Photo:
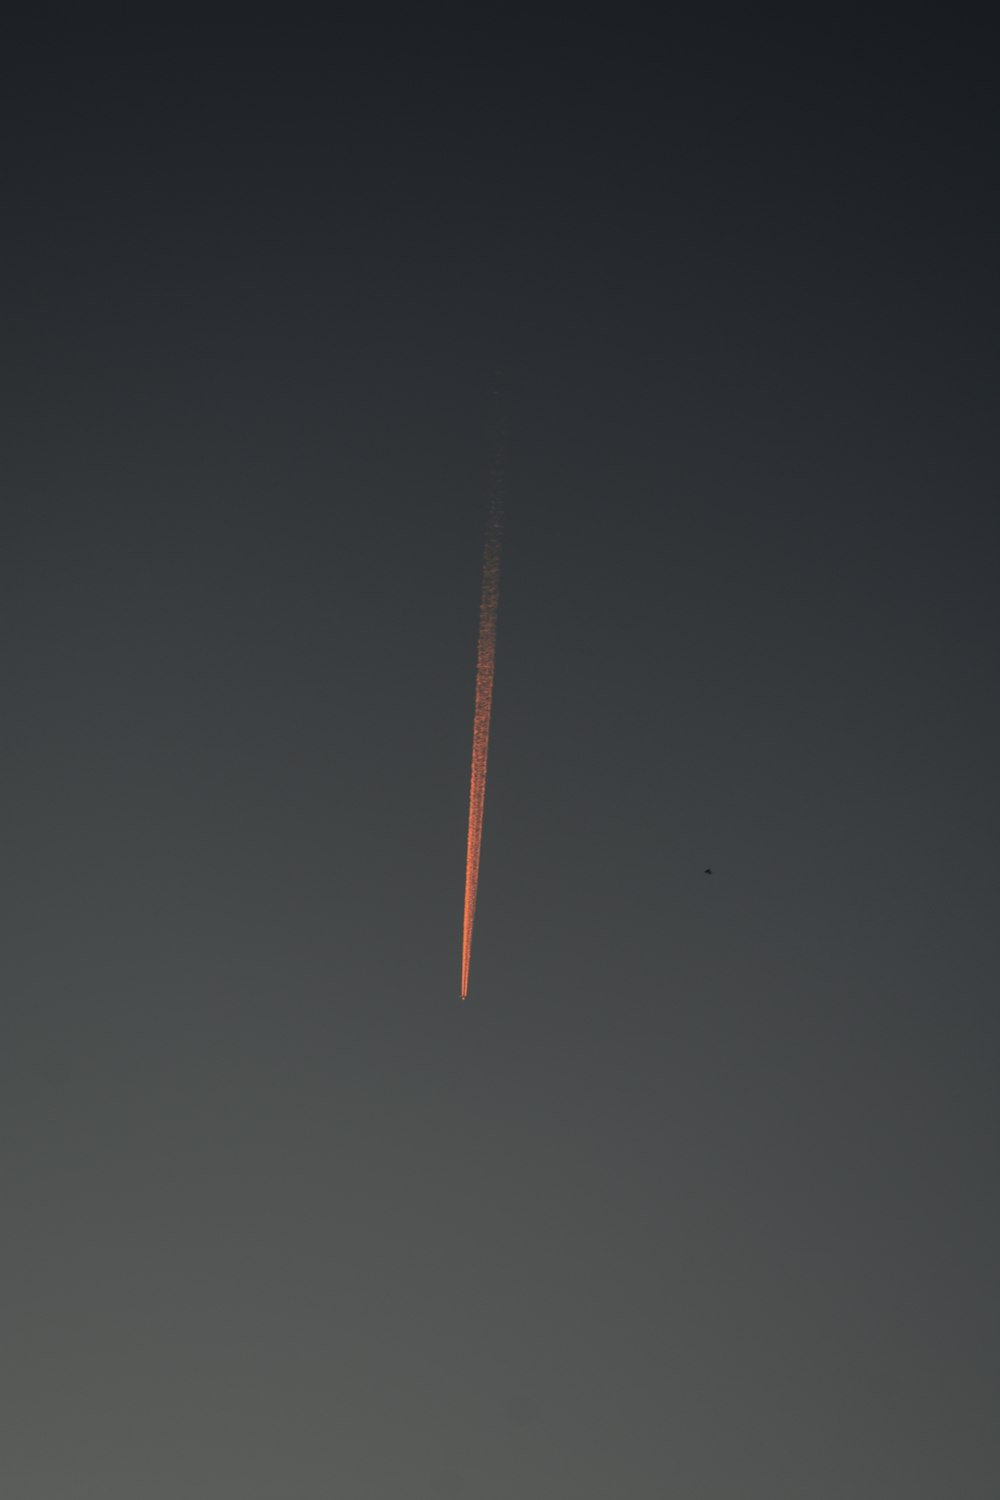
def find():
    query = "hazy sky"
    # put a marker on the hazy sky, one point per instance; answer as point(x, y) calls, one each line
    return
point(696, 1196)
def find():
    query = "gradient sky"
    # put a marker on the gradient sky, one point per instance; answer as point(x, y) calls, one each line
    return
point(696, 1197)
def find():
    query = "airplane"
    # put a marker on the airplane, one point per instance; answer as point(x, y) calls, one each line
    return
point(708, 872)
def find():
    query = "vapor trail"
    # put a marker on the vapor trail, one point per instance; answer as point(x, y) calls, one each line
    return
point(485, 658)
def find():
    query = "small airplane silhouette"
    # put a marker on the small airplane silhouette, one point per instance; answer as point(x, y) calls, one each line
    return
point(708, 872)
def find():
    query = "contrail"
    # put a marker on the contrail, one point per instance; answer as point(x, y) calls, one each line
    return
point(485, 659)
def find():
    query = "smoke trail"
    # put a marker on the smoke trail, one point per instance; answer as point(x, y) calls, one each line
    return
point(485, 658)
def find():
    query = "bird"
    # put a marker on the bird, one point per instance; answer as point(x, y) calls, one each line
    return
point(708, 872)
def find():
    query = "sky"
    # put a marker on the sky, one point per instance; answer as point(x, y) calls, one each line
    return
point(696, 1195)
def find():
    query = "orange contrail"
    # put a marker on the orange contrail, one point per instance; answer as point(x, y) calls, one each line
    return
point(485, 658)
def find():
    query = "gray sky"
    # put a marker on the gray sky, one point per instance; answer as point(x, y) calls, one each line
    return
point(696, 1196)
